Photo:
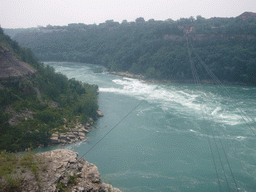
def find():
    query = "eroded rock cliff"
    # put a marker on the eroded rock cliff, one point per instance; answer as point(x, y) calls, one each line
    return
point(12, 68)
point(58, 170)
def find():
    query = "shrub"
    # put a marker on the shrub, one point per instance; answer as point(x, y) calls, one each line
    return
point(46, 116)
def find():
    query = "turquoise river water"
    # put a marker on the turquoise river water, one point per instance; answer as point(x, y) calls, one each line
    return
point(165, 143)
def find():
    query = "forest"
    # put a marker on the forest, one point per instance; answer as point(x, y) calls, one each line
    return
point(62, 102)
point(155, 49)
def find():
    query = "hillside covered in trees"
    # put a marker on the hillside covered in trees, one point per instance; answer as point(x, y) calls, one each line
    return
point(156, 49)
point(35, 101)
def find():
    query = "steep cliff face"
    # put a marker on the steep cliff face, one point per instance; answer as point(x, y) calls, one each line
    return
point(36, 102)
point(49, 167)
point(12, 68)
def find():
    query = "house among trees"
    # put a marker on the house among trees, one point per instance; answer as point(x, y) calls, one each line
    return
point(247, 14)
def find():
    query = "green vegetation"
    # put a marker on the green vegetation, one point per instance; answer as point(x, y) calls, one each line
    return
point(12, 166)
point(156, 49)
point(72, 179)
point(38, 105)
point(60, 187)
point(71, 182)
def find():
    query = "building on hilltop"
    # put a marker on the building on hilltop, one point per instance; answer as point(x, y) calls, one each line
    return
point(247, 14)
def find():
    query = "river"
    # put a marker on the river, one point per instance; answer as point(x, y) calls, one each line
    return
point(169, 137)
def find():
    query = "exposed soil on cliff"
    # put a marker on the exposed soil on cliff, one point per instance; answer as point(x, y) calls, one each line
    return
point(11, 67)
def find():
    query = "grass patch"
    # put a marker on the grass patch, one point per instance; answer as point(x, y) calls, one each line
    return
point(72, 179)
point(11, 184)
point(60, 187)
point(7, 163)
point(12, 165)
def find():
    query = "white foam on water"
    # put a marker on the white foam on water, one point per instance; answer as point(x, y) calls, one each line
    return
point(216, 110)
point(129, 87)
point(142, 111)
point(184, 101)
point(222, 136)
point(241, 137)
point(148, 175)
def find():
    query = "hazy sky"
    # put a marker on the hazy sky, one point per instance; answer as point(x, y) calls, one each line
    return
point(31, 13)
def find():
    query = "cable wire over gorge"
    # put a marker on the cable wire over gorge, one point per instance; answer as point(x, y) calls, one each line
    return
point(221, 163)
point(242, 113)
point(115, 126)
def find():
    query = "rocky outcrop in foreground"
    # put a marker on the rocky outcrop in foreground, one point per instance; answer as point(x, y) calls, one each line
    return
point(80, 176)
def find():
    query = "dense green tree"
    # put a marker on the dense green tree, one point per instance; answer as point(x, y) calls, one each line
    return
point(73, 98)
point(226, 45)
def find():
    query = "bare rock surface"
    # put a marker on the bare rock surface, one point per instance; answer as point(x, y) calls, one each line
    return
point(99, 113)
point(80, 175)
point(11, 67)
point(24, 115)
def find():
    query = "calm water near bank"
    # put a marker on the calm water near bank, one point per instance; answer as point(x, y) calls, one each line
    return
point(163, 145)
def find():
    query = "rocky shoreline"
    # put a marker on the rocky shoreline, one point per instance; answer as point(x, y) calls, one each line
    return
point(72, 135)
point(61, 169)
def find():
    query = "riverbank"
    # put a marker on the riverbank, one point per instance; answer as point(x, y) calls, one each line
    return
point(73, 134)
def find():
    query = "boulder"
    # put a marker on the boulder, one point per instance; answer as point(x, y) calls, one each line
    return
point(75, 133)
point(82, 138)
point(65, 120)
point(63, 141)
point(54, 140)
point(81, 134)
point(82, 129)
point(79, 126)
point(55, 135)
point(63, 136)
point(99, 113)
point(91, 121)
point(68, 139)
point(71, 136)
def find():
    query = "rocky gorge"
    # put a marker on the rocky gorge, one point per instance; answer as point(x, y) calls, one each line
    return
point(53, 171)
point(80, 175)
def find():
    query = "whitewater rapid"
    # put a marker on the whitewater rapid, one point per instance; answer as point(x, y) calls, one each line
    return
point(166, 137)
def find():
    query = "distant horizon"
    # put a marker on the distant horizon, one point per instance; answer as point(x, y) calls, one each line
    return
point(122, 20)
point(33, 13)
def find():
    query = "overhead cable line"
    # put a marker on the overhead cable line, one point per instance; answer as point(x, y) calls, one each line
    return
point(218, 82)
point(224, 154)
point(224, 134)
point(228, 161)
point(103, 137)
point(197, 81)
